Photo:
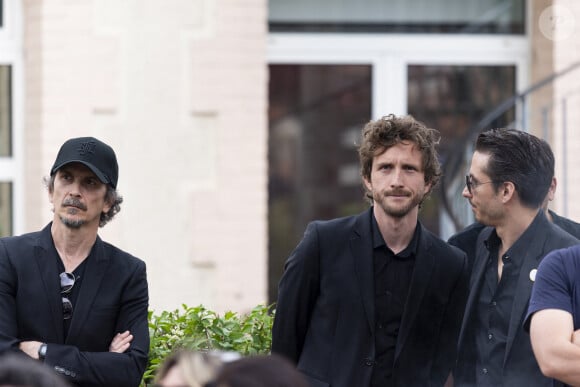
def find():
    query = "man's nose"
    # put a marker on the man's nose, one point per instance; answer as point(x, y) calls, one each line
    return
point(397, 177)
point(74, 188)
point(466, 193)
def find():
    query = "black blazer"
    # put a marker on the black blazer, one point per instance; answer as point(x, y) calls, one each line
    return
point(566, 224)
point(466, 239)
point(113, 298)
point(520, 367)
point(325, 317)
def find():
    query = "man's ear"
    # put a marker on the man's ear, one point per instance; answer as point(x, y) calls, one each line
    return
point(428, 187)
point(107, 205)
point(367, 184)
point(507, 191)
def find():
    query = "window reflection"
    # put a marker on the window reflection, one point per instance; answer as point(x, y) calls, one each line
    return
point(316, 113)
point(5, 112)
point(452, 99)
point(399, 16)
point(5, 209)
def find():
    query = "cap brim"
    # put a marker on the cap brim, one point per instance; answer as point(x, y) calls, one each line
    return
point(102, 177)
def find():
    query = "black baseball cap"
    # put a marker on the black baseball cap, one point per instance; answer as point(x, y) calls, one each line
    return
point(96, 155)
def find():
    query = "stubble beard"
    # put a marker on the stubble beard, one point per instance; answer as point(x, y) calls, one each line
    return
point(71, 223)
point(397, 212)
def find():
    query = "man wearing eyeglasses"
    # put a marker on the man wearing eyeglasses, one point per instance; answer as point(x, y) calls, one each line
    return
point(466, 239)
point(510, 175)
point(68, 298)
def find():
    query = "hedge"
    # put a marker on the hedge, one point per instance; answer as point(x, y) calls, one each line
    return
point(201, 329)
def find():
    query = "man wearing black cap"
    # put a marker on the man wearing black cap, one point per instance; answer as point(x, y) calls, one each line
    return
point(68, 298)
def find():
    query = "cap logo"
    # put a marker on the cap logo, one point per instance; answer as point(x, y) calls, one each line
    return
point(87, 147)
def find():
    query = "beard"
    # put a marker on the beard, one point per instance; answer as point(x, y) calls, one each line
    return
point(398, 210)
point(71, 223)
point(73, 206)
point(488, 216)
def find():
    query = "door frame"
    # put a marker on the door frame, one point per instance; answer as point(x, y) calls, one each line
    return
point(390, 55)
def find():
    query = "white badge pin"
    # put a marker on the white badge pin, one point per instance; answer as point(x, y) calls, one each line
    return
point(533, 275)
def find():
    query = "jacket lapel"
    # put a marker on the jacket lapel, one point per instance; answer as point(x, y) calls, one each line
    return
point(91, 283)
point(46, 259)
point(477, 273)
point(362, 253)
point(424, 265)
point(534, 254)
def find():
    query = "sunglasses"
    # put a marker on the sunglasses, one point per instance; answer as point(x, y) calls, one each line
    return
point(471, 185)
point(67, 281)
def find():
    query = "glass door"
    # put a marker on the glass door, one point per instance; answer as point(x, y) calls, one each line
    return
point(452, 98)
point(316, 113)
point(325, 87)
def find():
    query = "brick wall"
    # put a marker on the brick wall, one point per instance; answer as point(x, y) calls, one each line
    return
point(180, 92)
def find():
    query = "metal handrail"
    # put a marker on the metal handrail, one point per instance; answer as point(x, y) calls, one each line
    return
point(453, 166)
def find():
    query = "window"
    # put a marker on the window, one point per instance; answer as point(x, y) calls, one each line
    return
point(399, 16)
point(5, 148)
point(316, 115)
point(5, 111)
point(11, 176)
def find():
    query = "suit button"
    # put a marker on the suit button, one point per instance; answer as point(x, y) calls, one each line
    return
point(369, 362)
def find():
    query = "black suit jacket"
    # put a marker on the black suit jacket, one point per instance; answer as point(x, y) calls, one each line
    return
point(566, 224)
point(466, 239)
point(519, 367)
point(113, 298)
point(325, 315)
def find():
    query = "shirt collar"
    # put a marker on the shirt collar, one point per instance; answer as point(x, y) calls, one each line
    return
point(522, 242)
point(378, 241)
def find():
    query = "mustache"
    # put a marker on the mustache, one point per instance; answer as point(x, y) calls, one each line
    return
point(397, 192)
point(74, 202)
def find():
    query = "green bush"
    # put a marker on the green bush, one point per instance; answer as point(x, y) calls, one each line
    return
point(200, 329)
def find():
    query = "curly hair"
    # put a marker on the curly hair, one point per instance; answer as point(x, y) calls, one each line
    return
point(382, 134)
point(112, 197)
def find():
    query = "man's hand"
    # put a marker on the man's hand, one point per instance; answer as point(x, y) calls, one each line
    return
point(30, 348)
point(121, 342)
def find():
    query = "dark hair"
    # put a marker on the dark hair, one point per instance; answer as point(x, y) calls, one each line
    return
point(112, 197)
point(259, 371)
point(520, 158)
point(380, 135)
point(20, 370)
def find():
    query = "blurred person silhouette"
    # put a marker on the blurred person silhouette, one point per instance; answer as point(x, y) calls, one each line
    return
point(189, 368)
point(68, 298)
point(259, 371)
point(20, 370)
point(509, 178)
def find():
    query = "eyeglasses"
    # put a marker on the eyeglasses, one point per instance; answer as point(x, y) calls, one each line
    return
point(471, 185)
point(67, 281)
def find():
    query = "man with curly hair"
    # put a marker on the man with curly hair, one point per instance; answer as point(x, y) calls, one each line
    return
point(376, 299)
point(67, 298)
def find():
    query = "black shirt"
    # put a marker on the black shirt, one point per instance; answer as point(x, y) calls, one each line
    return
point(495, 305)
point(74, 292)
point(392, 278)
